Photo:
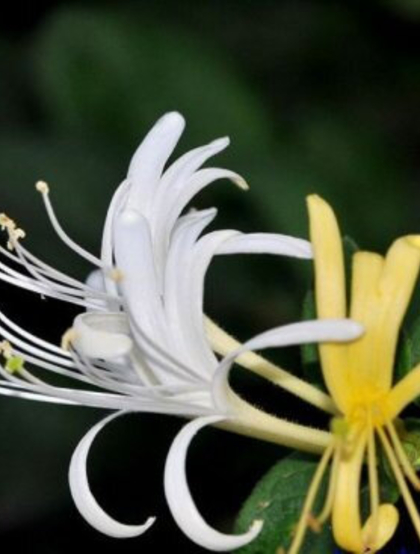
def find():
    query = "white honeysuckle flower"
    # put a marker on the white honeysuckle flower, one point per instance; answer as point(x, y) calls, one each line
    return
point(143, 343)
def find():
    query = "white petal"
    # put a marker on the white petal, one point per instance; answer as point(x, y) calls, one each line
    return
point(82, 495)
point(107, 246)
point(186, 270)
point(134, 258)
point(187, 292)
point(95, 280)
point(175, 201)
point(320, 330)
point(181, 503)
point(150, 158)
point(176, 175)
point(267, 243)
point(177, 292)
point(102, 335)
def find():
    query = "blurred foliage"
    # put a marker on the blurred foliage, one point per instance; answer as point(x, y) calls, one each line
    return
point(107, 75)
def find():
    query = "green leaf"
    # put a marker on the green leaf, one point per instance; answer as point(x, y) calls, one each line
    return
point(409, 432)
point(278, 499)
point(408, 355)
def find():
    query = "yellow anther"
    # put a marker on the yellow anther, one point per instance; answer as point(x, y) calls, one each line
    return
point(116, 275)
point(6, 349)
point(314, 524)
point(6, 222)
point(42, 187)
point(15, 233)
point(68, 338)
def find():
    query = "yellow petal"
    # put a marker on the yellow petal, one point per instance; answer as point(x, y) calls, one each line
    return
point(399, 277)
point(381, 292)
point(363, 354)
point(346, 519)
point(330, 291)
point(403, 393)
point(377, 533)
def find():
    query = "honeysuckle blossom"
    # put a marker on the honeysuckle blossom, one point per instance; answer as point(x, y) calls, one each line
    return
point(143, 343)
point(359, 378)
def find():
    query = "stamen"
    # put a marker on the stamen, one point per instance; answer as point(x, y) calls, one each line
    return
point(314, 524)
point(328, 504)
point(6, 349)
point(310, 499)
point(14, 363)
point(371, 536)
point(43, 189)
point(70, 286)
point(402, 456)
point(32, 338)
point(68, 338)
point(14, 232)
point(33, 264)
point(39, 288)
point(402, 485)
point(115, 275)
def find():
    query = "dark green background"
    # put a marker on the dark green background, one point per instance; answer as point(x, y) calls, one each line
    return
point(316, 96)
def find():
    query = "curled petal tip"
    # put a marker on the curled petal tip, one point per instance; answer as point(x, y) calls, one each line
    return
point(221, 143)
point(241, 183)
point(256, 527)
point(83, 497)
point(181, 502)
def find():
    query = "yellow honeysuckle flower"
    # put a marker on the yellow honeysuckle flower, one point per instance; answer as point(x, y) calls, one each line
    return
point(359, 377)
